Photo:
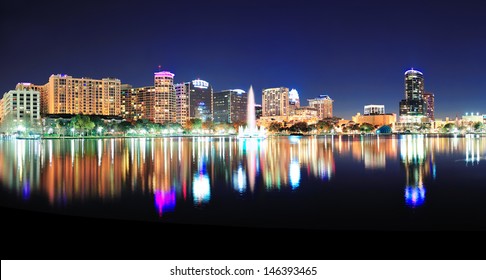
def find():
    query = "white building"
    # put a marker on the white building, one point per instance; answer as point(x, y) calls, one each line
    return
point(374, 109)
point(21, 104)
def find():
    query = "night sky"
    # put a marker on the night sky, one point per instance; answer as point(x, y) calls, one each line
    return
point(354, 51)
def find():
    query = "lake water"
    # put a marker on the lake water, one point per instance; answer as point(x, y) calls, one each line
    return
point(324, 182)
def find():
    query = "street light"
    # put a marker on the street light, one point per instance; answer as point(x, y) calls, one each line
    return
point(99, 130)
point(72, 130)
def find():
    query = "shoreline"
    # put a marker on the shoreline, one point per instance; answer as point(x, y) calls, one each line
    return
point(477, 135)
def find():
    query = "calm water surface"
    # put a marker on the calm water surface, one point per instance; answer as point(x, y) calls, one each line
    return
point(332, 182)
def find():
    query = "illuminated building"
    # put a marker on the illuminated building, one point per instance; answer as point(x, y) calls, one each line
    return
point(413, 108)
point(229, 106)
point(374, 109)
point(323, 104)
point(21, 104)
point(294, 101)
point(132, 107)
point(430, 101)
point(375, 115)
point(68, 95)
point(258, 110)
point(194, 100)
point(275, 102)
point(161, 106)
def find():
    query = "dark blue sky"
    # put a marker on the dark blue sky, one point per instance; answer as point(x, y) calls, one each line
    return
point(354, 51)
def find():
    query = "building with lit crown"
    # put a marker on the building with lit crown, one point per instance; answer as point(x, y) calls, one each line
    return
point(230, 106)
point(160, 107)
point(194, 100)
point(68, 95)
point(413, 108)
point(323, 104)
point(294, 101)
point(275, 102)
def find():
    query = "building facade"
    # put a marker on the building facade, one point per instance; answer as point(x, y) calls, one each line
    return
point(374, 109)
point(68, 95)
point(294, 101)
point(194, 100)
point(275, 102)
point(21, 105)
point(323, 104)
point(430, 102)
point(376, 119)
point(413, 108)
point(132, 105)
point(230, 106)
point(160, 106)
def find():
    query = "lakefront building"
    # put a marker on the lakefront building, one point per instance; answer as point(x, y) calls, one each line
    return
point(21, 104)
point(275, 102)
point(67, 95)
point(413, 109)
point(160, 106)
point(194, 100)
point(430, 102)
point(230, 106)
point(323, 104)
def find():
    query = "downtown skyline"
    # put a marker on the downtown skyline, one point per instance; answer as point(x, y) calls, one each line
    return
point(355, 53)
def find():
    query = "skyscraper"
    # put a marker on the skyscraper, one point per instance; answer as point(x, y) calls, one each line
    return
point(323, 104)
point(194, 100)
point(430, 101)
point(161, 106)
point(413, 107)
point(275, 102)
point(230, 106)
point(294, 101)
point(68, 95)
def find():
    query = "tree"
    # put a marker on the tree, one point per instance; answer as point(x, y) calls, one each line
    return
point(478, 126)
point(124, 126)
point(82, 123)
point(275, 127)
point(302, 127)
point(194, 124)
point(324, 126)
point(448, 128)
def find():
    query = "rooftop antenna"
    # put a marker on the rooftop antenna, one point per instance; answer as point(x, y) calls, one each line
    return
point(160, 67)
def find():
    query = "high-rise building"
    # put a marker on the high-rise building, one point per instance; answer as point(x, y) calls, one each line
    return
point(413, 107)
point(294, 101)
point(230, 106)
point(323, 104)
point(160, 106)
point(132, 109)
point(21, 104)
point(374, 110)
point(194, 100)
point(430, 101)
point(68, 95)
point(275, 102)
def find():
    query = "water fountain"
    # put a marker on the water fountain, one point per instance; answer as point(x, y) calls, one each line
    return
point(251, 130)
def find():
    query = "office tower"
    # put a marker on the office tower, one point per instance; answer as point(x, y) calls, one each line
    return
point(374, 110)
point(294, 101)
point(194, 100)
point(430, 101)
point(275, 102)
point(413, 106)
point(68, 95)
point(160, 105)
point(230, 106)
point(21, 104)
point(323, 104)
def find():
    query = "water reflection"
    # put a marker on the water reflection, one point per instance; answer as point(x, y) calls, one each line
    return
point(194, 170)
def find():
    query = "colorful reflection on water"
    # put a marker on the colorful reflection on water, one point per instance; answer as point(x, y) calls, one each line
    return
point(193, 170)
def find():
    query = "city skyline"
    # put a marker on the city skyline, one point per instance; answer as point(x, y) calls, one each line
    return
point(356, 53)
